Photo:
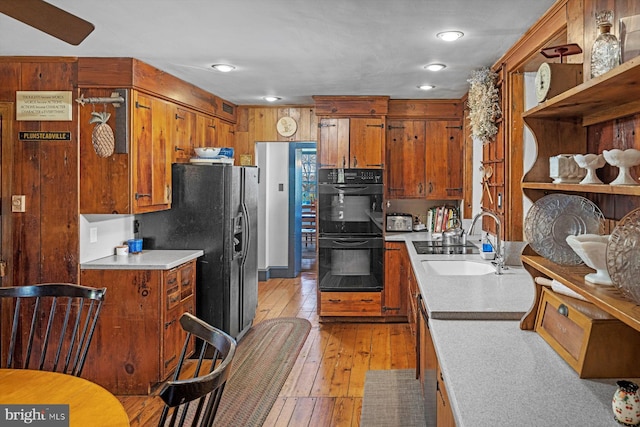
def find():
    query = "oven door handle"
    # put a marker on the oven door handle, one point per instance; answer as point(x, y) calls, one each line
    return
point(351, 244)
point(372, 189)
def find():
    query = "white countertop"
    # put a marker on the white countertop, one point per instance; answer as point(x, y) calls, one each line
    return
point(495, 373)
point(499, 375)
point(145, 260)
point(508, 296)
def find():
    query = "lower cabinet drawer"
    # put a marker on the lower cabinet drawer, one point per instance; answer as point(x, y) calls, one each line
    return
point(350, 304)
point(593, 343)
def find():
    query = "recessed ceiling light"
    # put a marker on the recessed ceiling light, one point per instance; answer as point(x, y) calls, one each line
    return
point(271, 98)
point(223, 68)
point(426, 87)
point(435, 67)
point(450, 36)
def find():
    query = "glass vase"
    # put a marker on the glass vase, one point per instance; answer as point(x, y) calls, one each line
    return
point(605, 52)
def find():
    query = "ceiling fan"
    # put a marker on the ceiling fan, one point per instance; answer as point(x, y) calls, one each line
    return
point(49, 19)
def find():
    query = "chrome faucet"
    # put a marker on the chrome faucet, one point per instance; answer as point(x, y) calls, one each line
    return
point(499, 262)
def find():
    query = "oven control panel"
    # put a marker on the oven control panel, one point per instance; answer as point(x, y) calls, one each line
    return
point(350, 176)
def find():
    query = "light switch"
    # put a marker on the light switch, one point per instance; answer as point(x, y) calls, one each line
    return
point(93, 234)
point(17, 203)
point(280, 187)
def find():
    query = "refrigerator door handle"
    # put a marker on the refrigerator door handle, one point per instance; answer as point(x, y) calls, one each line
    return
point(245, 233)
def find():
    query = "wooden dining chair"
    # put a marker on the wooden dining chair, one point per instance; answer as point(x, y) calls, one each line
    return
point(193, 399)
point(50, 327)
point(309, 223)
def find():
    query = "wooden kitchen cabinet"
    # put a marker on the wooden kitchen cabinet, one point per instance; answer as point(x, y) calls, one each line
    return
point(428, 369)
point(138, 338)
point(395, 280)
point(206, 131)
point(213, 132)
point(405, 155)
point(183, 133)
point(226, 134)
point(425, 159)
point(151, 158)
point(599, 114)
point(444, 414)
point(412, 302)
point(444, 160)
point(160, 113)
point(350, 304)
point(351, 142)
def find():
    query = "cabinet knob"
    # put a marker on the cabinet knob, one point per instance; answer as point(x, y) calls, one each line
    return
point(563, 310)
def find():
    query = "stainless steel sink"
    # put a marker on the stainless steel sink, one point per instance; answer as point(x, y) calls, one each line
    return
point(435, 247)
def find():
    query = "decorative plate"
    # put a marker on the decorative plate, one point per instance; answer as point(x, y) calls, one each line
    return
point(554, 217)
point(286, 126)
point(623, 255)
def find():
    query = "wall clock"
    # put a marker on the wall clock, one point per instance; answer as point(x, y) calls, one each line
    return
point(553, 79)
point(286, 126)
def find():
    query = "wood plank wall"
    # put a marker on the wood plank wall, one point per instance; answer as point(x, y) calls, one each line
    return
point(45, 237)
point(258, 124)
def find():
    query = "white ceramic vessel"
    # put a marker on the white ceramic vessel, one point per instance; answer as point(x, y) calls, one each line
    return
point(590, 162)
point(623, 159)
point(592, 249)
point(563, 169)
point(626, 403)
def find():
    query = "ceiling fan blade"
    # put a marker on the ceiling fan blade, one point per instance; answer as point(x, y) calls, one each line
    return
point(49, 19)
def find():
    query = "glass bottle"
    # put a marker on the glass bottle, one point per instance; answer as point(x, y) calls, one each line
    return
point(605, 52)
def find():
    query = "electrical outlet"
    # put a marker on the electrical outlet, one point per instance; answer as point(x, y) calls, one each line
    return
point(18, 203)
point(93, 235)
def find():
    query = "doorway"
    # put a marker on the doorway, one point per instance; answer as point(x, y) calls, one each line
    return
point(280, 204)
point(302, 197)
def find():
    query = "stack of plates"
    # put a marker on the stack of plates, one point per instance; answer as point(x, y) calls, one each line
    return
point(554, 217)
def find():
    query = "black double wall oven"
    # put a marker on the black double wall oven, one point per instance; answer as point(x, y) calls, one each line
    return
point(350, 242)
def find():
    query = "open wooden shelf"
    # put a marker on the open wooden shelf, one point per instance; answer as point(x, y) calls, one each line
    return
point(609, 96)
point(627, 190)
point(608, 298)
point(559, 125)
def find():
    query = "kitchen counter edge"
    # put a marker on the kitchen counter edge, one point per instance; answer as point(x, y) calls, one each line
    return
point(145, 260)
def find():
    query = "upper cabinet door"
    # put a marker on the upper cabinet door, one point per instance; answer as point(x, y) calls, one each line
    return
point(366, 143)
point(444, 159)
point(226, 134)
point(333, 147)
point(183, 127)
point(405, 157)
point(206, 131)
point(151, 164)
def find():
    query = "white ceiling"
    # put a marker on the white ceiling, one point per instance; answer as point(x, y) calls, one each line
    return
point(295, 48)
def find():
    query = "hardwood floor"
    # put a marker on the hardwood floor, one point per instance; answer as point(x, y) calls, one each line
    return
point(326, 385)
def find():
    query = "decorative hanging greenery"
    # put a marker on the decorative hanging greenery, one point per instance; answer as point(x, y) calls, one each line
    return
point(484, 104)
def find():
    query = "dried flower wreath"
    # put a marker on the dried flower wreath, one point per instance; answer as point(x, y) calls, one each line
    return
point(484, 104)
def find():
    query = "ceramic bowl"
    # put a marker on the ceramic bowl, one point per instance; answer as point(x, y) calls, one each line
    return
point(623, 159)
point(207, 152)
point(592, 249)
point(590, 162)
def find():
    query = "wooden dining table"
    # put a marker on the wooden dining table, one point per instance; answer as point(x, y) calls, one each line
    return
point(89, 403)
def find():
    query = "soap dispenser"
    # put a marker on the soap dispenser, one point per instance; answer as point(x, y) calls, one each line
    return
point(487, 248)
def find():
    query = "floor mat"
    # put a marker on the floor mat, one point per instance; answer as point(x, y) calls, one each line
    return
point(392, 398)
point(263, 360)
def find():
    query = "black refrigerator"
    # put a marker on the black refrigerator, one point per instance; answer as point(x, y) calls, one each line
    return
point(214, 208)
